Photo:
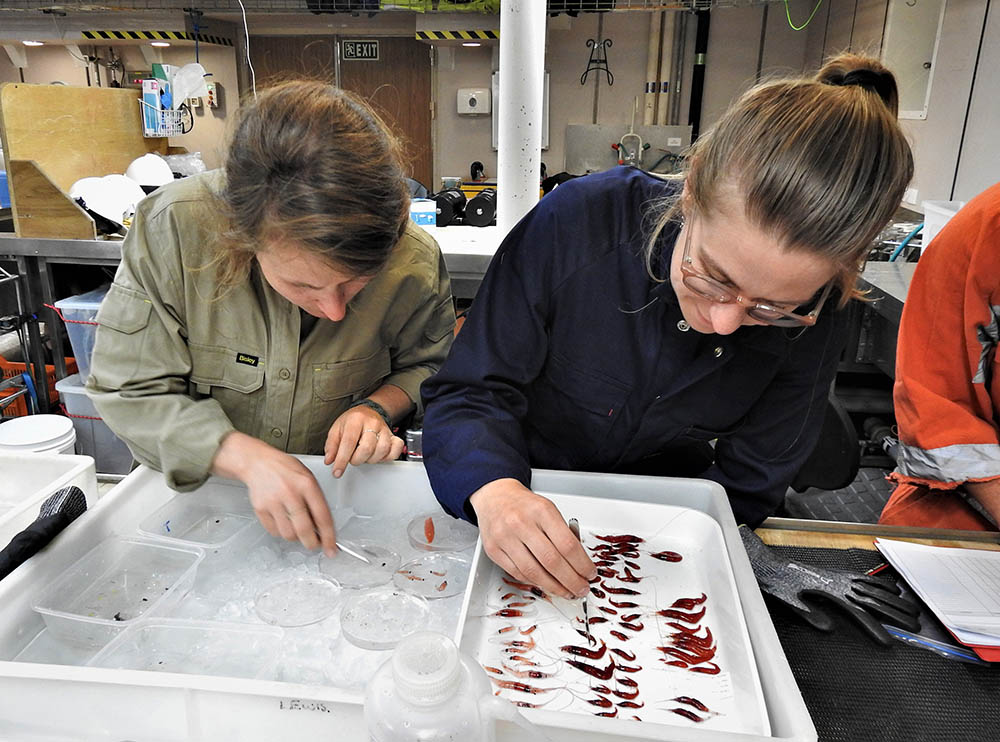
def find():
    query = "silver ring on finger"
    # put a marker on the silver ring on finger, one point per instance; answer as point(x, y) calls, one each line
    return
point(372, 430)
point(292, 513)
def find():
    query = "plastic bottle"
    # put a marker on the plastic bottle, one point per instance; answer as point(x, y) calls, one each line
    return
point(430, 692)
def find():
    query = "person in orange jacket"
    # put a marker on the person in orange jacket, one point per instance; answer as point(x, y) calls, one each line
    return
point(947, 392)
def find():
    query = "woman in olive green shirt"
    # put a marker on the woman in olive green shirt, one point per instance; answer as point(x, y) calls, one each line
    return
point(284, 305)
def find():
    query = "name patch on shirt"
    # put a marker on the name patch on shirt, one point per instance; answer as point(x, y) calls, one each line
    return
point(247, 359)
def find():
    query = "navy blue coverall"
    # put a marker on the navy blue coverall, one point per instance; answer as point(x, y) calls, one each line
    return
point(572, 357)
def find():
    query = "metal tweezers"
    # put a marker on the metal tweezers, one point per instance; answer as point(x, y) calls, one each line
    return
point(574, 526)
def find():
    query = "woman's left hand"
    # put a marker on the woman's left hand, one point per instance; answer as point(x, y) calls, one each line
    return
point(360, 436)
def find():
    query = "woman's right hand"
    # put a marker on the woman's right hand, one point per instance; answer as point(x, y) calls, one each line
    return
point(525, 534)
point(285, 495)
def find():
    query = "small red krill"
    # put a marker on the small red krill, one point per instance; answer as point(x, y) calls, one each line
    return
point(710, 669)
point(601, 673)
point(609, 611)
point(624, 538)
point(691, 702)
point(619, 590)
point(687, 604)
point(632, 626)
point(590, 654)
point(598, 593)
point(667, 556)
point(609, 714)
point(602, 702)
point(688, 714)
point(681, 615)
point(619, 635)
point(623, 603)
point(521, 687)
point(631, 704)
point(630, 656)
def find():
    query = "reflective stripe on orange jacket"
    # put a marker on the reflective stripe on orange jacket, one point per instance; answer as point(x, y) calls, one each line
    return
point(947, 393)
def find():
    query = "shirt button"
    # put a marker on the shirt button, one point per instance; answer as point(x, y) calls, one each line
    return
point(718, 352)
point(285, 373)
point(683, 326)
point(276, 432)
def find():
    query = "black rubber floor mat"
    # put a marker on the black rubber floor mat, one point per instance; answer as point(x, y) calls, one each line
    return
point(857, 690)
point(860, 502)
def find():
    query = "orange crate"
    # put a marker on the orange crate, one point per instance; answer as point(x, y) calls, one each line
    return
point(19, 407)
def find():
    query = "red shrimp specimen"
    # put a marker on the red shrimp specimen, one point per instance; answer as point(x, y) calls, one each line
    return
point(625, 538)
point(597, 619)
point(629, 577)
point(636, 718)
point(536, 591)
point(590, 654)
point(519, 604)
point(632, 565)
point(506, 613)
point(527, 631)
point(604, 703)
point(508, 596)
point(505, 629)
point(685, 641)
point(630, 656)
point(619, 590)
point(623, 604)
point(533, 674)
point(627, 668)
point(521, 687)
point(675, 663)
point(688, 714)
point(631, 704)
point(632, 626)
point(631, 617)
point(608, 714)
point(444, 584)
point(437, 574)
point(681, 615)
point(429, 530)
point(619, 635)
point(412, 578)
point(523, 660)
point(601, 689)
point(494, 670)
point(629, 554)
point(609, 611)
point(597, 672)
point(667, 556)
point(605, 563)
point(709, 669)
point(628, 682)
point(598, 593)
point(687, 604)
point(692, 658)
point(607, 572)
point(520, 644)
point(691, 702)
point(627, 695)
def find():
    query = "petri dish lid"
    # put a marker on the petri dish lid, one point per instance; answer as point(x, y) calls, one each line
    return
point(440, 532)
point(351, 572)
point(434, 575)
point(379, 619)
point(298, 601)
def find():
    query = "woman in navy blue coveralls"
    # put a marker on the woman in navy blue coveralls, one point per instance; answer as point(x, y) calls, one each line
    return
point(627, 321)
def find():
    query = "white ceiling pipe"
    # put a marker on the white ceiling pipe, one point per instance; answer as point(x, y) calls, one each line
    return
point(519, 130)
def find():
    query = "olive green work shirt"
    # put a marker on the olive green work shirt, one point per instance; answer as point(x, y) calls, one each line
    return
point(178, 364)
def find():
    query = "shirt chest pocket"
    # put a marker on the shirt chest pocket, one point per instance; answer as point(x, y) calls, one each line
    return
point(337, 385)
point(216, 372)
point(581, 405)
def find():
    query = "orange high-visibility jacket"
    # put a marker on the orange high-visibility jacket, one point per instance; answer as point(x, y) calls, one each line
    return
point(947, 392)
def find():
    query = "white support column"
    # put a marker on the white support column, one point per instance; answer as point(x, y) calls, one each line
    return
point(519, 135)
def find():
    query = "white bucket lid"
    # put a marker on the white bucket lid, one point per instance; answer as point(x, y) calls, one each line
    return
point(36, 432)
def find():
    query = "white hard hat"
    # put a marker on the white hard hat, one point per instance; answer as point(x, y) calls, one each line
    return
point(150, 170)
point(113, 197)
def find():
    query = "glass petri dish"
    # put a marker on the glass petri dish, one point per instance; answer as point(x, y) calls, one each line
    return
point(351, 572)
point(299, 601)
point(379, 619)
point(434, 575)
point(440, 532)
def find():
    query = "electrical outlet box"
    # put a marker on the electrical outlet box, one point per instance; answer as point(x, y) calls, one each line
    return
point(212, 99)
point(194, 103)
point(472, 101)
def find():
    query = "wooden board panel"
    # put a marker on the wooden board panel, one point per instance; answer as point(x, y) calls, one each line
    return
point(41, 209)
point(60, 134)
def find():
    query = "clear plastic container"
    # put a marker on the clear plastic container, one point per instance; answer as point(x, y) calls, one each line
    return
point(93, 437)
point(299, 601)
point(115, 583)
point(80, 313)
point(432, 576)
point(381, 618)
point(194, 648)
point(440, 532)
point(211, 523)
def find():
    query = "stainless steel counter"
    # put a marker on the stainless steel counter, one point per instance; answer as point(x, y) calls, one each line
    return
point(887, 285)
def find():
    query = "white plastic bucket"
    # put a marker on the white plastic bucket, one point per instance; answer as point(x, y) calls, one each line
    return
point(38, 434)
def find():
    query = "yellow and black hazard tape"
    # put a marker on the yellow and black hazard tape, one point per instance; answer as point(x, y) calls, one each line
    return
point(457, 35)
point(156, 36)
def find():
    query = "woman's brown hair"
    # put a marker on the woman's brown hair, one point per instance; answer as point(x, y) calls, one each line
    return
point(821, 163)
point(313, 165)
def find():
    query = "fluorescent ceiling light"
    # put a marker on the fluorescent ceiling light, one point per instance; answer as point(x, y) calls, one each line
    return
point(471, 43)
point(33, 43)
point(159, 43)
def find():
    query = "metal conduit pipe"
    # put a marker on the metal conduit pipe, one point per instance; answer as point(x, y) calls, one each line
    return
point(666, 68)
point(519, 130)
point(679, 42)
point(652, 81)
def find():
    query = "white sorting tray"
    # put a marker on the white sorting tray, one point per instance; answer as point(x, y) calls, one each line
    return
point(734, 695)
point(101, 704)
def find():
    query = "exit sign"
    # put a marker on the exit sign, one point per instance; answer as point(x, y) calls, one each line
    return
point(358, 49)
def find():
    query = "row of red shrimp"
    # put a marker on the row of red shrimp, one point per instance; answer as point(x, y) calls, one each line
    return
point(688, 647)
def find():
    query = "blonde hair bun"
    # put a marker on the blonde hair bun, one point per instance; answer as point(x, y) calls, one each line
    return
point(863, 72)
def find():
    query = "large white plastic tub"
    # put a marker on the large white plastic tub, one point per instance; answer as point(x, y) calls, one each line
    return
point(101, 704)
point(27, 479)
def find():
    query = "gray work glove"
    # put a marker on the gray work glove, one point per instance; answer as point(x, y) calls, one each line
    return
point(870, 601)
